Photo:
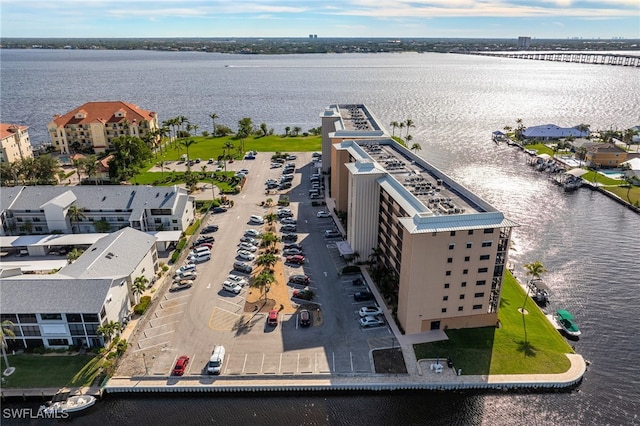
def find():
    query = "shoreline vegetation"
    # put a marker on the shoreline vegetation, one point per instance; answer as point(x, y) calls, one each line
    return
point(308, 45)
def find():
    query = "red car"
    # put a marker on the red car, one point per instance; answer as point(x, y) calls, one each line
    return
point(272, 319)
point(208, 245)
point(298, 259)
point(181, 365)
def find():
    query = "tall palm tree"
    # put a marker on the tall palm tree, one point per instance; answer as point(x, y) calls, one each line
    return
point(263, 281)
point(535, 269)
point(226, 148)
point(286, 130)
point(409, 124)
point(393, 125)
point(91, 168)
point(401, 126)
point(266, 261)
point(213, 117)
point(139, 286)
point(416, 147)
point(75, 214)
point(109, 329)
point(74, 255)
point(297, 130)
point(6, 330)
point(187, 143)
point(161, 164)
point(408, 138)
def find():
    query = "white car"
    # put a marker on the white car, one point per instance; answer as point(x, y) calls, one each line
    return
point(322, 214)
point(232, 287)
point(248, 247)
point(252, 233)
point(275, 165)
point(288, 221)
point(236, 279)
point(187, 267)
point(371, 321)
point(370, 311)
point(244, 171)
point(256, 219)
point(245, 255)
point(250, 240)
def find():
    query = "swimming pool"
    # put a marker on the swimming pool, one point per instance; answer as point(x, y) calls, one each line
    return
point(612, 173)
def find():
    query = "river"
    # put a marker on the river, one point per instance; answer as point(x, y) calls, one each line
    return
point(589, 243)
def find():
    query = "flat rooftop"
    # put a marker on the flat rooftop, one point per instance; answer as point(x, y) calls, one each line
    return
point(356, 117)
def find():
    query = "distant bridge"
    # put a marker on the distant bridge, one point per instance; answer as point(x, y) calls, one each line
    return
point(624, 60)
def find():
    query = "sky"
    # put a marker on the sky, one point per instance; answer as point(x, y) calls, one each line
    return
point(298, 18)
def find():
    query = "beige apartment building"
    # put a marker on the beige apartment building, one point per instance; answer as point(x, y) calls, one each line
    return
point(14, 143)
point(94, 125)
point(447, 247)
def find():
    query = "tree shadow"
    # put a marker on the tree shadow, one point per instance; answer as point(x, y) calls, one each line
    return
point(527, 348)
point(243, 326)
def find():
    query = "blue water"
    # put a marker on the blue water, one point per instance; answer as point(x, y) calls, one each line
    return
point(588, 242)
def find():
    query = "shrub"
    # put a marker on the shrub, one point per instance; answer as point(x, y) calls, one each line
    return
point(141, 307)
point(350, 269)
point(39, 350)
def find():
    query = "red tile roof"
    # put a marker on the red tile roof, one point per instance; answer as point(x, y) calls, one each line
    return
point(104, 112)
point(7, 130)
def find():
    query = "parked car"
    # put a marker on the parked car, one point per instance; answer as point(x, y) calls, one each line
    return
point(363, 296)
point(245, 255)
point(296, 259)
point(289, 237)
point(288, 228)
point(370, 311)
point(210, 161)
point(200, 250)
point(293, 245)
point(288, 221)
point(290, 157)
point(275, 165)
point(273, 185)
point(245, 171)
point(203, 239)
point(248, 247)
point(284, 213)
point(272, 318)
point(371, 321)
point(256, 219)
point(214, 366)
point(323, 214)
point(187, 275)
point(305, 318)
point(316, 155)
point(299, 279)
point(284, 185)
point(180, 285)
point(201, 257)
point(209, 228)
point(219, 209)
point(304, 294)
point(236, 279)
point(358, 282)
point(206, 245)
point(250, 240)
point(181, 365)
point(186, 267)
point(291, 252)
point(231, 287)
point(331, 233)
point(242, 267)
point(252, 233)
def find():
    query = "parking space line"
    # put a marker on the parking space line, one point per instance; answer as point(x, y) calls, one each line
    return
point(155, 327)
point(172, 306)
point(165, 316)
point(152, 346)
point(153, 337)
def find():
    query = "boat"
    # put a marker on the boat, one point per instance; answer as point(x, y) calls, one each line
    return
point(565, 319)
point(63, 403)
point(539, 292)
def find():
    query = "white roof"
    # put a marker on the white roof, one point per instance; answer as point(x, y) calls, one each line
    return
point(576, 172)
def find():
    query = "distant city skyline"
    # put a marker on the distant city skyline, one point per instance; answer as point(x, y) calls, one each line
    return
point(297, 18)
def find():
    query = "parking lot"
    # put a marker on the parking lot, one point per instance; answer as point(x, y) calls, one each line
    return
point(191, 321)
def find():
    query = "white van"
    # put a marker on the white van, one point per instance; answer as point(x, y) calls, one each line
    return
point(200, 250)
point(217, 358)
point(200, 257)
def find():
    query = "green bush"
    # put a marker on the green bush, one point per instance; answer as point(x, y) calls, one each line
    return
point(181, 244)
point(141, 307)
point(350, 269)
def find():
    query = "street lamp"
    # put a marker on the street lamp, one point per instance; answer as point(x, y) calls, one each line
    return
point(144, 361)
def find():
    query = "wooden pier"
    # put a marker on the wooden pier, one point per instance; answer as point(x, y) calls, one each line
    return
point(593, 58)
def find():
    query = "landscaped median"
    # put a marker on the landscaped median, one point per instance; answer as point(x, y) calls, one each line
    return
point(523, 344)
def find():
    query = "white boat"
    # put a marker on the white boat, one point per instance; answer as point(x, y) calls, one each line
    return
point(71, 404)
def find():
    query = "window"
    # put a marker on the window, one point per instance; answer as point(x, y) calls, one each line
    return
point(57, 342)
point(74, 318)
point(103, 312)
point(92, 329)
point(479, 295)
point(174, 221)
point(448, 273)
point(470, 232)
point(9, 317)
point(466, 258)
point(487, 243)
point(30, 330)
point(484, 257)
point(477, 306)
point(460, 308)
point(481, 282)
point(462, 297)
point(453, 233)
point(469, 245)
point(446, 285)
point(445, 298)
point(450, 260)
point(463, 284)
point(27, 318)
point(444, 310)
point(452, 246)
point(76, 329)
point(488, 231)
point(482, 270)
point(90, 318)
point(465, 271)
point(51, 316)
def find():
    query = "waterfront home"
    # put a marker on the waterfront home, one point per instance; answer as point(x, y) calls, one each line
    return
point(632, 168)
point(442, 247)
point(605, 155)
point(14, 143)
point(549, 132)
point(94, 125)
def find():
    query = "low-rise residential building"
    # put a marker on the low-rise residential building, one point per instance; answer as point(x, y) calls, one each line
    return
point(442, 247)
point(66, 308)
point(605, 155)
point(77, 209)
point(14, 143)
point(548, 132)
point(94, 125)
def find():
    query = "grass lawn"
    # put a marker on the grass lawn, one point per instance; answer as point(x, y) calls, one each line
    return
point(632, 195)
point(503, 350)
point(42, 371)
point(602, 180)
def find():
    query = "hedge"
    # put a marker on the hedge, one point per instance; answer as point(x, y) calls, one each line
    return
point(141, 307)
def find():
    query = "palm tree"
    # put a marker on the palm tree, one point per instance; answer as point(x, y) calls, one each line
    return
point(286, 130)
point(74, 255)
point(401, 126)
point(264, 280)
point(409, 123)
point(75, 214)
point(296, 130)
point(161, 164)
point(187, 143)
point(109, 329)
point(266, 261)
point(535, 269)
point(6, 330)
point(91, 168)
point(393, 125)
point(270, 218)
point(628, 180)
point(139, 286)
point(269, 239)
point(519, 129)
point(213, 117)
point(416, 147)
point(228, 146)
point(408, 138)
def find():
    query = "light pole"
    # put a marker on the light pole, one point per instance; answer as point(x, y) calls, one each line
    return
point(144, 361)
